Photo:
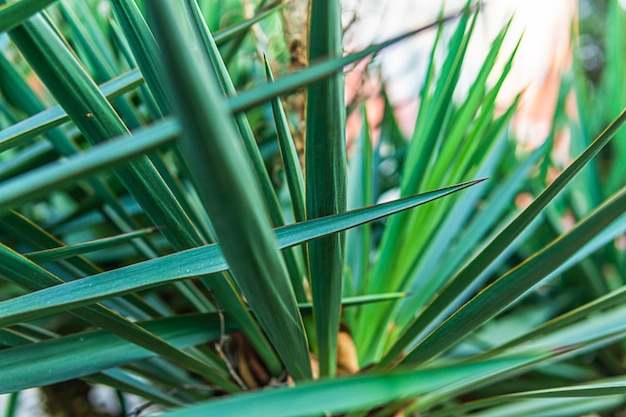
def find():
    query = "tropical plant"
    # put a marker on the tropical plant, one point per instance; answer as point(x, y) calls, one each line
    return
point(160, 236)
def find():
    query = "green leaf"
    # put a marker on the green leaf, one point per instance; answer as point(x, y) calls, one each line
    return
point(122, 381)
point(515, 283)
point(585, 335)
point(190, 263)
point(605, 387)
point(270, 199)
point(496, 247)
point(55, 116)
point(226, 34)
point(93, 115)
point(97, 121)
point(229, 190)
point(24, 188)
point(319, 71)
point(339, 396)
point(613, 386)
point(295, 179)
point(480, 225)
point(591, 335)
point(16, 89)
point(604, 302)
point(148, 57)
point(307, 308)
point(77, 249)
point(421, 151)
point(24, 273)
point(95, 53)
point(360, 193)
point(26, 231)
point(13, 13)
point(396, 256)
point(145, 49)
point(554, 407)
point(82, 354)
point(288, 153)
point(326, 191)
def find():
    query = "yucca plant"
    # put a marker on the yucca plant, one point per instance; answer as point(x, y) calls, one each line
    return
point(160, 236)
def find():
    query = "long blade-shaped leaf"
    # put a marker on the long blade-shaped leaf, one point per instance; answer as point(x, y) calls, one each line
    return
point(55, 116)
point(216, 63)
point(360, 193)
point(77, 249)
point(238, 29)
point(20, 271)
point(516, 282)
point(115, 378)
point(601, 303)
point(606, 387)
point(122, 381)
point(289, 154)
point(24, 188)
point(16, 88)
point(319, 71)
point(348, 394)
point(77, 93)
point(25, 230)
point(81, 354)
point(230, 192)
point(466, 276)
point(15, 12)
point(93, 115)
point(97, 120)
point(396, 255)
point(554, 407)
point(144, 47)
point(326, 178)
point(600, 388)
point(190, 263)
point(307, 308)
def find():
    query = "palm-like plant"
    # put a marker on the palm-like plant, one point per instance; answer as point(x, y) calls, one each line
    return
point(165, 157)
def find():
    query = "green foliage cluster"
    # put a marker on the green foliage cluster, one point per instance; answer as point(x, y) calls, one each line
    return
point(162, 233)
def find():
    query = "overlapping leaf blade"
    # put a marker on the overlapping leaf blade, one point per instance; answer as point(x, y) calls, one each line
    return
point(56, 360)
point(230, 192)
point(186, 264)
point(347, 394)
point(512, 285)
point(15, 12)
point(464, 278)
